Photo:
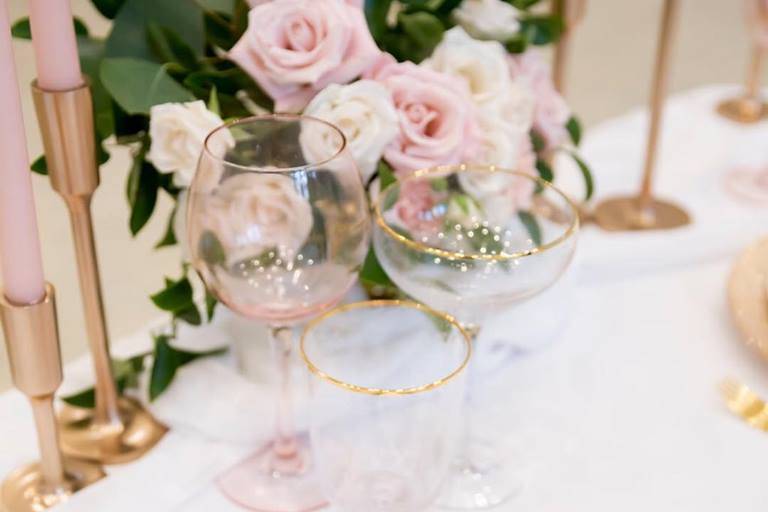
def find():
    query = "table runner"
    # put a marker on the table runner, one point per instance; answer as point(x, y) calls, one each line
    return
point(625, 397)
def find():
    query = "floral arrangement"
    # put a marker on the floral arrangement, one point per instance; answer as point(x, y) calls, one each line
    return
point(411, 83)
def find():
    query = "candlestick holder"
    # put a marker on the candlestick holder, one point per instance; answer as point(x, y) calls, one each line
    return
point(31, 336)
point(571, 12)
point(749, 107)
point(117, 429)
point(644, 211)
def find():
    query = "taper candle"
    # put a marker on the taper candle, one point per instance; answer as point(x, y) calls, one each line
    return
point(53, 37)
point(20, 261)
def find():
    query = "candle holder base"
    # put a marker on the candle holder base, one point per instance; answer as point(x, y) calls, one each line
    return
point(109, 443)
point(626, 214)
point(25, 489)
point(743, 110)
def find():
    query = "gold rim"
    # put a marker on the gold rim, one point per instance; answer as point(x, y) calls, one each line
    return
point(381, 391)
point(274, 117)
point(463, 256)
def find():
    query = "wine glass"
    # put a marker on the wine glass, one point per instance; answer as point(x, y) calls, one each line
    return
point(278, 228)
point(474, 240)
point(387, 398)
point(750, 107)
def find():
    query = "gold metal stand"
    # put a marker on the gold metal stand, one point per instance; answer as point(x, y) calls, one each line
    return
point(116, 430)
point(31, 336)
point(571, 12)
point(644, 211)
point(750, 107)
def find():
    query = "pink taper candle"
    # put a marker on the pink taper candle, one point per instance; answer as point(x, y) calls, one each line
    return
point(53, 37)
point(20, 261)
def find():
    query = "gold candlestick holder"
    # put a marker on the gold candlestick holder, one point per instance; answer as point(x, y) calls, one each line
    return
point(644, 211)
point(117, 429)
point(572, 13)
point(31, 336)
point(750, 106)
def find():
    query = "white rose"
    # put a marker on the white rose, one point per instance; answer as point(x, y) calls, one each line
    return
point(499, 145)
point(178, 131)
point(252, 213)
point(481, 64)
point(364, 112)
point(500, 194)
point(488, 19)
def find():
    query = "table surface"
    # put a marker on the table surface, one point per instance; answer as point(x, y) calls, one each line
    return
point(624, 400)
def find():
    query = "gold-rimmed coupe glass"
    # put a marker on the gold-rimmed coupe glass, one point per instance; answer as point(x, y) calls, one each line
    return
point(278, 227)
point(472, 241)
point(387, 395)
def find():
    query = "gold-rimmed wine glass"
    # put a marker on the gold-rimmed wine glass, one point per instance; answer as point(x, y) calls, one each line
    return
point(278, 226)
point(387, 395)
point(474, 240)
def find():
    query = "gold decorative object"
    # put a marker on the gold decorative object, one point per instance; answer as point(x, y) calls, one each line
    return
point(750, 107)
point(31, 335)
point(745, 403)
point(748, 295)
point(116, 430)
point(572, 13)
point(644, 211)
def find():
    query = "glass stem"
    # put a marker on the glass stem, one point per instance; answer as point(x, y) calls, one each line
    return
point(285, 446)
point(465, 455)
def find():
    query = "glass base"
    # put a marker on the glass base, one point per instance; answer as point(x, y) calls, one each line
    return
point(480, 481)
point(268, 482)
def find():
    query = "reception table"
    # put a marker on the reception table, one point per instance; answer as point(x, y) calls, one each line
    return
point(614, 403)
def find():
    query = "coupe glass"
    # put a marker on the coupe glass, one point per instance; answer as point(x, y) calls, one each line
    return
point(472, 241)
point(387, 397)
point(278, 228)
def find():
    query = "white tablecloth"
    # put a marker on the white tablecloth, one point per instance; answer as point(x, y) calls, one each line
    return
point(629, 386)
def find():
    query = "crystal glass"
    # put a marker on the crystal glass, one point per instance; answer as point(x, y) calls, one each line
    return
point(278, 227)
point(387, 395)
point(474, 240)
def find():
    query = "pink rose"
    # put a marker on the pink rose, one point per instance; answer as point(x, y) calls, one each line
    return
point(415, 207)
point(551, 112)
point(526, 160)
point(437, 119)
point(295, 48)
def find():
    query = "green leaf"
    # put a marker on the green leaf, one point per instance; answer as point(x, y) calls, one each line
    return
point(167, 361)
point(224, 6)
point(545, 171)
point(91, 54)
point(190, 315)
point(574, 130)
point(137, 85)
point(423, 28)
point(169, 239)
point(376, 12)
point(538, 141)
point(177, 296)
point(375, 280)
point(516, 44)
point(213, 102)
point(142, 194)
point(532, 226)
point(169, 47)
point(523, 4)
point(589, 182)
point(40, 166)
point(542, 30)
point(126, 374)
point(108, 8)
point(386, 175)
point(210, 305)
point(22, 29)
point(211, 250)
point(129, 30)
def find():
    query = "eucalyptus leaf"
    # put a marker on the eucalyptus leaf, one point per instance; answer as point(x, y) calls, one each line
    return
point(169, 47)
point(137, 85)
point(129, 30)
